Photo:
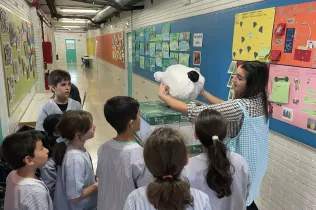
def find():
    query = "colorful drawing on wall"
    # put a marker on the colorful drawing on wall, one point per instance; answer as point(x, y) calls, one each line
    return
point(165, 64)
point(142, 34)
point(137, 55)
point(152, 34)
point(231, 94)
point(294, 37)
point(252, 33)
point(166, 31)
point(146, 48)
point(159, 46)
point(142, 62)
point(165, 49)
point(152, 64)
point(147, 63)
point(301, 104)
point(142, 48)
point(113, 50)
point(174, 58)
point(197, 58)
point(159, 54)
point(184, 59)
point(147, 35)
point(184, 41)
point(158, 62)
point(174, 41)
point(152, 49)
point(232, 68)
point(230, 81)
point(158, 37)
point(90, 46)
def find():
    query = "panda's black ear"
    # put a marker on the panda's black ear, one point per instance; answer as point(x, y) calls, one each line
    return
point(193, 76)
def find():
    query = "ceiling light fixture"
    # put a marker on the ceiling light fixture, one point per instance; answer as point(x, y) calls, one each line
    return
point(73, 21)
point(79, 10)
point(71, 26)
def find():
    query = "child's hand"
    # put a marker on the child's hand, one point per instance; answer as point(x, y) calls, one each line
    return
point(96, 179)
point(163, 90)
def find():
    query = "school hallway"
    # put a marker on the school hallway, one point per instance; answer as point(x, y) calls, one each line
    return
point(99, 88)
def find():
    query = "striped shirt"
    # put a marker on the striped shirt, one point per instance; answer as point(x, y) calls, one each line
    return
point(231, 111)
point(196, 172)
point(50, 107)
point(138, 200)
point(26, 194)
point(120, 169)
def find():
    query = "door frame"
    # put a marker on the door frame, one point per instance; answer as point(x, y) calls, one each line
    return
point(74, 49)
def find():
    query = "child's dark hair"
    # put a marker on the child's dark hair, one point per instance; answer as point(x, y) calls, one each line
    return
point(119, 110)
point(211, 130)
point(58, 76)
point(165, 155)
point(49, 126)
point(72, 122)
point(17, 146)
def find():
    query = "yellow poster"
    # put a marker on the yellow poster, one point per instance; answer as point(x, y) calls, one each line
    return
point(91, 46)
point(253, 34)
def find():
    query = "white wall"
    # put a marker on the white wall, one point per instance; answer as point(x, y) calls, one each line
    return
point(290, 181)
point(81, 44)
point(10, 124)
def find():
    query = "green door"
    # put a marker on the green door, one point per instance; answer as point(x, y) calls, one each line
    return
point(129, 65)
point(71, 55)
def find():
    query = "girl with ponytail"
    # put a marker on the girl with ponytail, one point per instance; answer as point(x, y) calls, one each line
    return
point(165, 156)
point(222, 175)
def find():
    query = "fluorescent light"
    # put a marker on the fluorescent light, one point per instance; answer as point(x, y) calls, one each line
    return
point(73, 21)
point(71, 26)
point(79, 10)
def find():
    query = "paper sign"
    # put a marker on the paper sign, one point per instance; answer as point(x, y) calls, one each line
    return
point(197, 58)
point(280, 92)
point(232, 68)
point(264, 52)
point(184, 59)
point(198, 40)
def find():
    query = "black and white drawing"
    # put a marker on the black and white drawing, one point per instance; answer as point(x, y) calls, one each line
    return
point(7, 54)
point(4, 21)
point(16, 70)
point(11, 88)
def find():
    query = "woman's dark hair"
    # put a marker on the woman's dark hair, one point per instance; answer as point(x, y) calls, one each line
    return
point(72, 122)
point(211, 124)
point(257, 80)
point(49, 126)
point(165, 156)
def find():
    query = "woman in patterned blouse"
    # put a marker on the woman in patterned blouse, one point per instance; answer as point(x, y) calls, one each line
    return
point(247, 117)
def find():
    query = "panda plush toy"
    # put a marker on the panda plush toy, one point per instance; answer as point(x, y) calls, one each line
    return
point(184, 83)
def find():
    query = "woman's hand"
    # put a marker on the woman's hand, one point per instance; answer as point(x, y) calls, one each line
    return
point(163, 90)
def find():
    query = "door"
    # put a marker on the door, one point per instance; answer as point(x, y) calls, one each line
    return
point(71, 55)
point(129, 64)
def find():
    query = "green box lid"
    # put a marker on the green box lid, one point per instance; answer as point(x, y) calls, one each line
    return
point(158, 113)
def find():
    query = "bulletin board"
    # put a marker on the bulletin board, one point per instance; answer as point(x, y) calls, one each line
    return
point(253, 34)
point(18, 56)
point(91, 46)
point(295, 35)
point(112, 48)
point(216, 53)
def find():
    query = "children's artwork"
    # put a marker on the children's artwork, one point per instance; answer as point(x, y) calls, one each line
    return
point(197, 40)
point(133, 34)
point(152, 34)
point(152, 52)
point(159, 54)
point(197, 58)
point(280, 91)
point(174, 58)
point(28, 70)
point(294, 37)
point(142, 62)
point(231, 94)
point(230, 81)
point(11, 88)
point(184, 59)
point(158, 37)
point(165, 49)
point(252, 32)
point(311, 125)
point(18, 42)
point(158, 61)
point(142, 48)
point(142, 34)
point(4, 21)
point(165, 31)
point(301, 105)
point(174, 45)
point(152, 64)
point(146, 48)
point(16, 69)
point(159, 46)
point(147, 35)
point(137, 55)
point(184, 42)
point(232, 68)
point(174, 36)
point(7, 54)
point(165, 64)
point(147, 63)
point(13, 34)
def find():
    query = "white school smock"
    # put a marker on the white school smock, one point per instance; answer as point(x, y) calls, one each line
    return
point(120, 169)
point(138, 200)
point(196, 172)
point(26, 194)
point(50, 107)
point(75, 174)
point(49, 176)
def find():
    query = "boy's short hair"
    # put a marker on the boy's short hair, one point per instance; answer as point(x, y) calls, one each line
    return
point(119, 110)
point(58, 76)
point(17, 146)
point(50, 123)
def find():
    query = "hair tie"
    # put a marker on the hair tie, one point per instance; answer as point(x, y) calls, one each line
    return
point(215, 138)
point(167, 176)
point(60, 140)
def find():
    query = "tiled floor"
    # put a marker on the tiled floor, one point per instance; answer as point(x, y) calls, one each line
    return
point(99, 89)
